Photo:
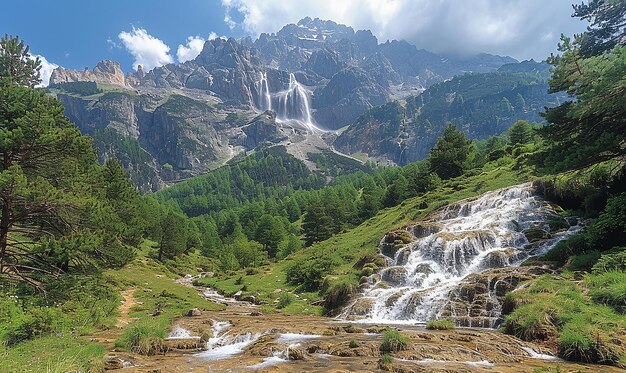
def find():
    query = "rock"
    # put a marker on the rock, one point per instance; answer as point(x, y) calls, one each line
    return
point(112, 363)
point(535, 234)
point(393, 241)
point(395, 275)
point(480, 297)
point(192, 343)
point(295, 353)
point(256, 313)
point(105, 71)
point(194, 312)
point(362, 306)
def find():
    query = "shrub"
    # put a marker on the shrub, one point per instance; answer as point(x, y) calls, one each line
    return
point(611, 261)
point(393, 341)
point(442, 324)
point(284, 300)
point(574, 245)
point(144, 336)
point(353, 343)
point(310, 274)
point(386, 359)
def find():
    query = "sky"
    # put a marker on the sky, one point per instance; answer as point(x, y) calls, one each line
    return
point(77, 34)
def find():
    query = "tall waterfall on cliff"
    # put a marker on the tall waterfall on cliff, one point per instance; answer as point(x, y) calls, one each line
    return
point(265, 98)
point(291, 105)
point(446, 256)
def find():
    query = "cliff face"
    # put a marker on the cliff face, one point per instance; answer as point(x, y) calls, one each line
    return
point(481, 105)
point(238, 95)
point(106, 71)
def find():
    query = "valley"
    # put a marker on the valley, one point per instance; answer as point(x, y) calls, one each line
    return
point(319, 198)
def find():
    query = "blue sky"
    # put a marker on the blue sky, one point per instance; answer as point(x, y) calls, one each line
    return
point(74, 33)
point(77, 34)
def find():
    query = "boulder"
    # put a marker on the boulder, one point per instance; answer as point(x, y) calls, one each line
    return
point(194, 312)
point(395, 275)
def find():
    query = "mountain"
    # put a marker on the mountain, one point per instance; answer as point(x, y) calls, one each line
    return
point(480, 104)
point(312, 78)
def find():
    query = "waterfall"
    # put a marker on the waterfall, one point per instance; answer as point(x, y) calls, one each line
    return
point(455, 252)
point(291, 105)
point(265, 98)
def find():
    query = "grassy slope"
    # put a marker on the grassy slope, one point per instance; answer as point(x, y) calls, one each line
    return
point(348, 247)
point(154, 288)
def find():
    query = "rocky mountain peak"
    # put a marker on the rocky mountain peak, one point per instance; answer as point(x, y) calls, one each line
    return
point(105, 71)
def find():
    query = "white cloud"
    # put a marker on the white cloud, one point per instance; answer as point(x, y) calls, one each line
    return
point(46, 70)
point(148, 51)
point(511, 27)
point(194, 47)
point(191, 50)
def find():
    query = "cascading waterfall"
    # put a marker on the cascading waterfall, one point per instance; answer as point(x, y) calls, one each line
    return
point(265, 98)
point(291, 105)
point(464, 239)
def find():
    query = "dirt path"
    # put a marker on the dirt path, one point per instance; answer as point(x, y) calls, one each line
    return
point(129, 301)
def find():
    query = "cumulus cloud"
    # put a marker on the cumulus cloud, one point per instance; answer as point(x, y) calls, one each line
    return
point(519, 28)
point(148, 51)
point(46, 70)
point(191, 50)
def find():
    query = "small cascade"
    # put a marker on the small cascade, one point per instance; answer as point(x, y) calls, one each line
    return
point(224, 345)
point(180, 333)
point(457, 264)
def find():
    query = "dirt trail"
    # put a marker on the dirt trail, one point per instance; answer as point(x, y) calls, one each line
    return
point(129, 301)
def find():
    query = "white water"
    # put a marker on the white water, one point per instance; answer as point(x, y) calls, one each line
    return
point(292, 105)
point(224, 345)
point(467, 237)
point(535, 355)
point(180, 333)
point(265, 98)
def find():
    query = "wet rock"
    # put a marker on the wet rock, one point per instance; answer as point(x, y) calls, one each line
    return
point(362, 307)
point(112, 363)
point(296, 354)
point(192, 343)
point(535, 234)
point(478, 300)
point(395, 275)
point(394, 241)
point(194, 312)
point(256, 313)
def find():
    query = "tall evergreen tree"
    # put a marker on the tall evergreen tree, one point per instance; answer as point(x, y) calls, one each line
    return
point(448, 156)
point(16, 63)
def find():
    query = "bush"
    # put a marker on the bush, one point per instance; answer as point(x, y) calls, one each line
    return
point(145, 336)
point(611, 261)
point(574, 245)
point(310, 274)
point(284, 300)
point(354, 344)
point(393, 341)
point(442, 324)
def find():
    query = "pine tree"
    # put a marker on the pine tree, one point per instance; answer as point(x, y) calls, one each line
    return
point(448, 156)
point(521, 133)
point(16, 63)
